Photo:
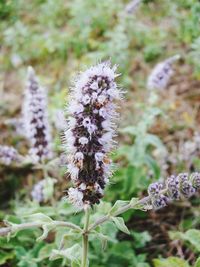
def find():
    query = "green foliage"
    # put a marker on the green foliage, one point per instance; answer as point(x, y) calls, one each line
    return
point(171, 261)
point(137, 155)
point(62, 35)
point(189, 29)
point(191, 236)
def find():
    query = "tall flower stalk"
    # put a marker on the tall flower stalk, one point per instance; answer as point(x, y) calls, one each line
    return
point(89, 134)
point(35, 117)
point(89, 138)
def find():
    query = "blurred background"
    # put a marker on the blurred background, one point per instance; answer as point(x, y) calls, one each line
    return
point(159, 131)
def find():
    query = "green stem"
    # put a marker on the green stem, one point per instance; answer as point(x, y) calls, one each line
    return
point(85, 238)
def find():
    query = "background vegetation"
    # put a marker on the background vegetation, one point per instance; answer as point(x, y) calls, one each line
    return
point(159, 134)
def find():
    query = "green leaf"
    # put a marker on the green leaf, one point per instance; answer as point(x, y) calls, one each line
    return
point(47, 223)
point(5, 256)
point(118, 204)
point(47, 227)
point(192, 236)
point(119, 222)
point(133, 202)
point(39, 217)
point(103, 238)
point(151, 139)
point(49, 188)
point(197, 263)
point(132, 130)
point(140, 238)
point(72, 253)
point(170, 262)
point(46, 251)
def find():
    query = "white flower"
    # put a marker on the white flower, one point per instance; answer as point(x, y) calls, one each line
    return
point(76, 197)
point(73, 170)
point(86, 99)
point(79, 156)
point(99, 156)
point(101, 99)
point(83, 140)
point(86, 122)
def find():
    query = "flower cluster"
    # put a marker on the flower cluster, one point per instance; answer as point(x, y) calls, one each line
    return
point(89, 134)
point(35, 118)
point(174, 188)
point(9, 155)
point(161, 74)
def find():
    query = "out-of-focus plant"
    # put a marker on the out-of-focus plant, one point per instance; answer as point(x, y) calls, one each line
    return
point(189, 25)
point(195, 55)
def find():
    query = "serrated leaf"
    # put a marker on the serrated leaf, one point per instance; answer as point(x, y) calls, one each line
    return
point(119, 222)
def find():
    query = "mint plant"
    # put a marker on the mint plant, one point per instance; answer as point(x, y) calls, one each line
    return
point(88, 141)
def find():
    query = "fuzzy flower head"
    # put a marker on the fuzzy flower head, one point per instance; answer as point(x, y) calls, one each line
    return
point(161, 74)
point(172, 184)
point(89, 134)
point(9, 155)
point(185, 185)
point(35, 118)
point(174, 188)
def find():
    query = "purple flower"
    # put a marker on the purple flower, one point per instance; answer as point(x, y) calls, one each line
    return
point(35, 118)
point(161, 74)
point(90, 131)
point(9, 155)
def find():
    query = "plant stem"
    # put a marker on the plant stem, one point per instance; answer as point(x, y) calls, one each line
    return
point(120, 211)
point(85, 238)
point(18, 227)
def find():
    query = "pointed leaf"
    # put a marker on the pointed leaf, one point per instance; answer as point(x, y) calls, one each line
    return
point(119, 222)
point(118, 204)
point(39, 217)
